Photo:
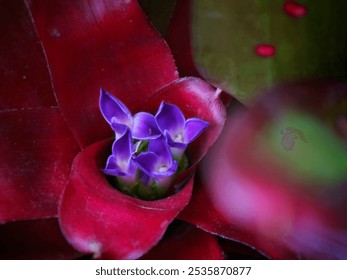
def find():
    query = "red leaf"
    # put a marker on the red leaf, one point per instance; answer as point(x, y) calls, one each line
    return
point(221, 209)
point(96, 218)
point(35, 239)
point(197, 99)
point(179, 38)
point(24, 80)
point(37, 150)
point(100, 43)
point(186, 242)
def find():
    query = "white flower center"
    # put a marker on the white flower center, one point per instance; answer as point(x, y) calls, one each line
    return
point(122, 165)
point(163, 168)
point(178, 138)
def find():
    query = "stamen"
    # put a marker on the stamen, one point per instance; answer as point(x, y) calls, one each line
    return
point(163, 168)
point(179, 138)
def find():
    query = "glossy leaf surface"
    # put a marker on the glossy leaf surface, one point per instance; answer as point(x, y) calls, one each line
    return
point(93, 44)
point(196, 99)
point(24, 77)
point(37, 150)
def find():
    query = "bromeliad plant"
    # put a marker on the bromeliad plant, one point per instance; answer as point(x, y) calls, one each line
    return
point(149, 151)
point(57, 195)
point(57, 143)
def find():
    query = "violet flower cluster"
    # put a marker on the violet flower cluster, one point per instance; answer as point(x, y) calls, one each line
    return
point(149, 150)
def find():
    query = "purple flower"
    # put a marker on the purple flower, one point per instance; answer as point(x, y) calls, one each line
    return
point(157, 163)
point(142, 125)
point(178, 131)
point(148, 152)
point(120, 163)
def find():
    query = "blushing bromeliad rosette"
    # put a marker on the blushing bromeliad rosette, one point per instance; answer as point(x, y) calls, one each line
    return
point(107, 153)
point(59, 155)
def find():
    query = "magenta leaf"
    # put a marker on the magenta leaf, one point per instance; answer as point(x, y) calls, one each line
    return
point(196, 99)
point(179, 38)
point(100, 43)
point(100, 220)
point(36, 150)
point(88, 45)
point(25, 81)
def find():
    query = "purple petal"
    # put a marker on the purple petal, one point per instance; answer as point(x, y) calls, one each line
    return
point(161, 149)
point(145, 127)
point(112, 168)
point(165, 171)
point(113, 110)
point(165, 165)
point(169, 117)
point(157, 162)
point(122, 148)
point(120, 162)
point(173, 144)
point(193, 128)
point(119, 129)
point(146, 162)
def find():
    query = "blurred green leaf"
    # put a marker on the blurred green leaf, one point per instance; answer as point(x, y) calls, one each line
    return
point(226, 32)
point(307, 149)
